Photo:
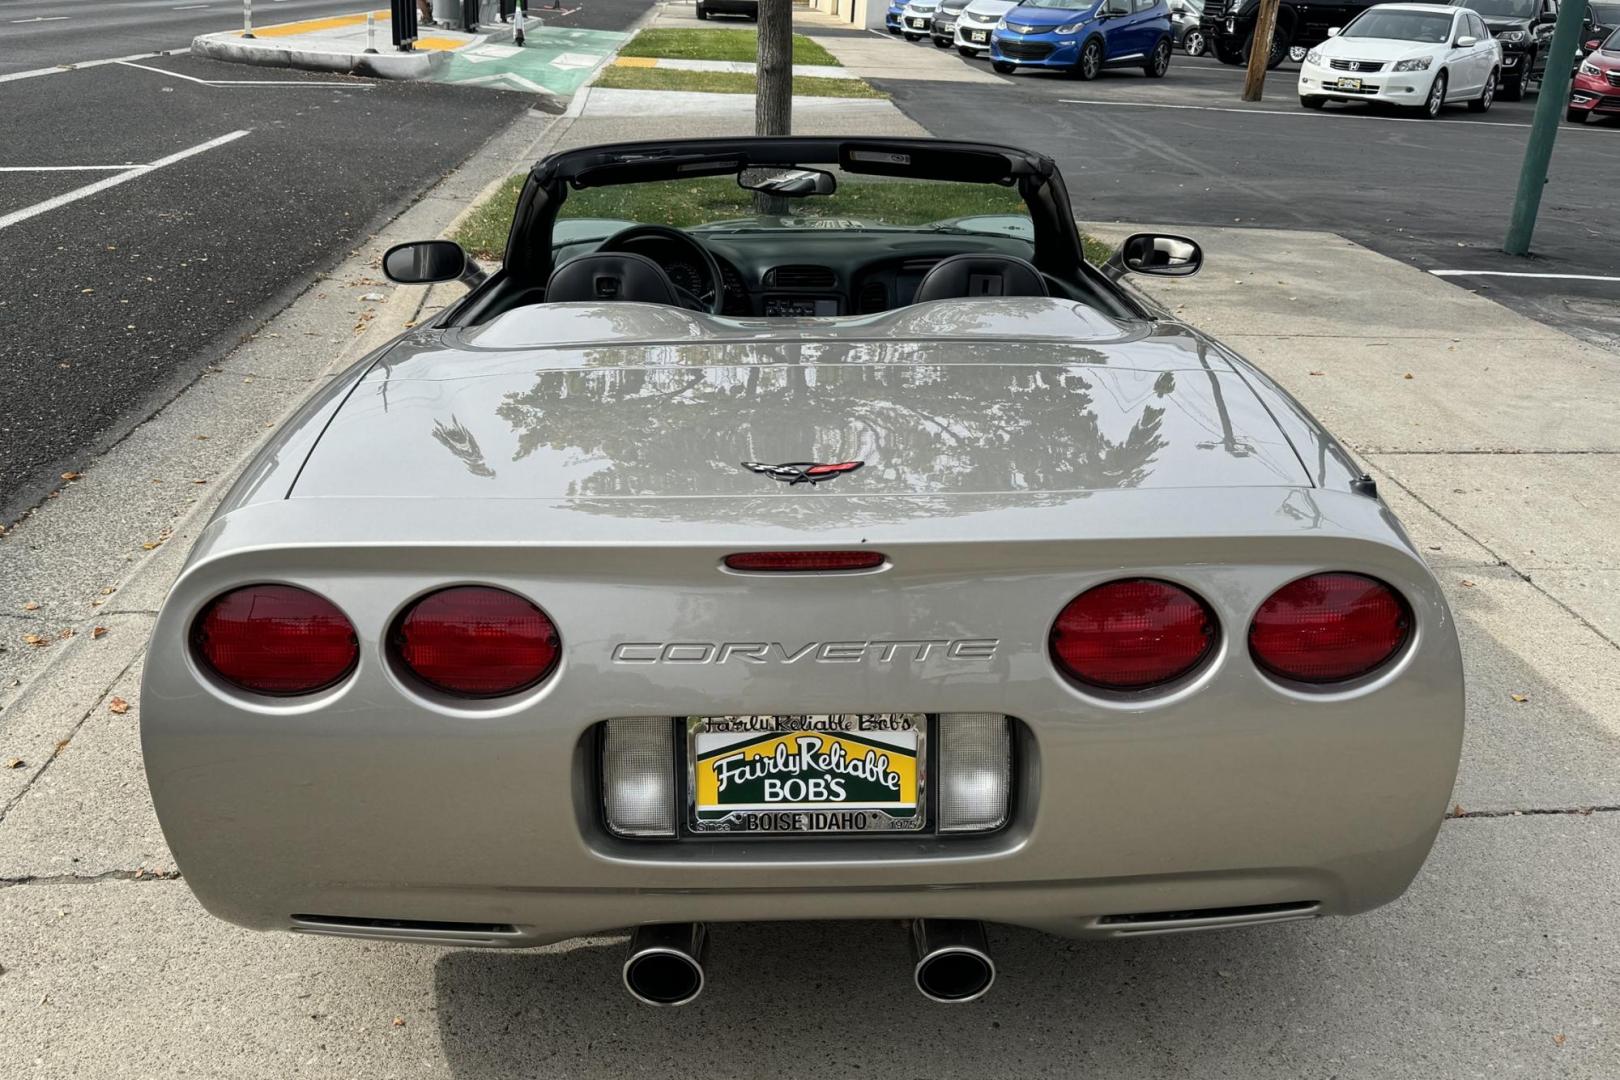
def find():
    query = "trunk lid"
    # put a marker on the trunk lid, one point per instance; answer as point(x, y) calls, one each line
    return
point(1017, 399)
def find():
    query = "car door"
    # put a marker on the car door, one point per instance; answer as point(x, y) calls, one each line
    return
point(1463, 61)
point(1144, 26)
point(1484, 47)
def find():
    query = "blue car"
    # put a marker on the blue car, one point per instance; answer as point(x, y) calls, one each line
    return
point(891, 19)
point(1084, 37)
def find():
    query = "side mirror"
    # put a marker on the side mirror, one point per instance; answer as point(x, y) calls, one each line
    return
point(423, 261)
point(1333, 31)
point(1157, 254)
point(1467, 41)
point(1593, 46)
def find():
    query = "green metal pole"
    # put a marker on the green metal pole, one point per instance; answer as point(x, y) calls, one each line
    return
point(1550, 104)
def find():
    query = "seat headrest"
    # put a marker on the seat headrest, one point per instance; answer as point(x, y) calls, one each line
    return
point(611, 276)
point(980, 276)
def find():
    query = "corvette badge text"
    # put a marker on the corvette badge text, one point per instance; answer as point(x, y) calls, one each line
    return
point(814, 652)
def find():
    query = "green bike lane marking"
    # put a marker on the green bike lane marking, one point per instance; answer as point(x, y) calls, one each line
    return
point(553, 59)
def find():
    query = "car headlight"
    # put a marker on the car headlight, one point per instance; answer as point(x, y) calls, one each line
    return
point(1419, 63)
point(1314, 56)
point(1069, 28)
point(1514, 36)
point(1001, 24)
point(1591, 69)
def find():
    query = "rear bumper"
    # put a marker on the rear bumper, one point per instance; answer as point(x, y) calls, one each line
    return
point(374, 802)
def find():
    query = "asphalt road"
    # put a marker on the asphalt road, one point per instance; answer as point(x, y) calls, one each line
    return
point(45, 33)
point(1436, 194)
point(117, 299)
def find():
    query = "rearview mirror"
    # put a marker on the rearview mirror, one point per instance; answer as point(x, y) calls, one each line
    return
point(421, 262)
point(1467, 41)
point(1333, 31)
point(1155, 253)
point(790, 182)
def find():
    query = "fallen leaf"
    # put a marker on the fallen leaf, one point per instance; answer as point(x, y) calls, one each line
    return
point(15, 763)
point(98, 631)
point(118, 706)
point(66, 632)
point(399, 1021)
point(1465, 583)
point(1408, 375)
point(1318, 373)
point(1558, 1039)
point(199, 481)
point(71, 476)
point(33, 639)
point(1520, 697)
point(151, 545)
point(1457, 811)
point(32, 605)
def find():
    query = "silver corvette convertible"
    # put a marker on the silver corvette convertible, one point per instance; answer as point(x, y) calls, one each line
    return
point(800, 529)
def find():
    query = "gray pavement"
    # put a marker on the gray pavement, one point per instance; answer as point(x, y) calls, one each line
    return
point(1503, 960)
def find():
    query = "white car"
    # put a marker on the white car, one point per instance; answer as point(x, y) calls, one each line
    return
point(917, 19)
point(1422, 56)
point(975, 24)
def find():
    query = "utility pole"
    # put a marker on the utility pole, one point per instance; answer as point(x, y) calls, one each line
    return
point(1265, 24)
point(1551, 101)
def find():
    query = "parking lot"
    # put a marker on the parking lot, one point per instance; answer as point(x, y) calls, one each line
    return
point(1185, 150)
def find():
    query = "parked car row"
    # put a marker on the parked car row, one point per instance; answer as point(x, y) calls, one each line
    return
point(1051, 34)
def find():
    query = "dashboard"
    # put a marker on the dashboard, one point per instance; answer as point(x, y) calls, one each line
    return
point(796, 273)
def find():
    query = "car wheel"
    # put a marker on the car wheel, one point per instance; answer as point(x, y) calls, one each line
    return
point(1158, 61)
point(895, 30)
point(1296, 53)
point(1090, 63)
point(1003, 67)
point(1511, 90)
point(967, 52)
point(1487, 96)
point(942, 43)
point(1312, 102)
point(1575, 116)
point(1226, 52)
point(1279, 46)
point(702, 12)
point(1437, 96)
point(913, 37)
point(1194, 43)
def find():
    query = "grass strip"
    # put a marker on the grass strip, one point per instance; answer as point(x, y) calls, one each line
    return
point(718, 45)
point(727, 82)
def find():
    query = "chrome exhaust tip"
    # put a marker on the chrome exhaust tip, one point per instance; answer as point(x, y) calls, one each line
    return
point(665, 965)
point(953, 960)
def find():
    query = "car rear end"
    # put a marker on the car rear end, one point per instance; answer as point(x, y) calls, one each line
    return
point(1086, 649)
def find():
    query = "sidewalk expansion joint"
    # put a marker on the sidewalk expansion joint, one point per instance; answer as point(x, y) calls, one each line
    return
point(142, 874)
point(1458, 814)
point(1487, 453)
point(1517, 572)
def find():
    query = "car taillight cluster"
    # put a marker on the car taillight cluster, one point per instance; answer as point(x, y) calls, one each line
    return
point(1140, 633)
point(467, 641)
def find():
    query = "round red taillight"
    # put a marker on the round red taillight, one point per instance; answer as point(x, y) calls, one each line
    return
point(1329, 628)
point(474, 641)
point(1132, 634)
point(275, 639)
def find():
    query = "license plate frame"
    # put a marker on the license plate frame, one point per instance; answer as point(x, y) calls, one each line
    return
point(887, 743)
point(979, 37)
point(1346, 83)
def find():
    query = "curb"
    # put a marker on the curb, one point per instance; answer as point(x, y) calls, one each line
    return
point(391, 65)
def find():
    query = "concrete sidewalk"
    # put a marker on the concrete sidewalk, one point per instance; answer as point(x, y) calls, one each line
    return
point(1504, 960)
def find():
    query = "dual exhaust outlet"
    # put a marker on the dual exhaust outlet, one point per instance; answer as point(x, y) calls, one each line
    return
point(952, 961)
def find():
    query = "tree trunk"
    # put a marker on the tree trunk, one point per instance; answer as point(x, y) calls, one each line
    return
point(1265, 25)
point(773, 103)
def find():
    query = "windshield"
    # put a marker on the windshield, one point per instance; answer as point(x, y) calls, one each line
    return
point(1605, 14)
point(860, 203)
point(1426, 26)
point(1505, 9)
point(1062, 5)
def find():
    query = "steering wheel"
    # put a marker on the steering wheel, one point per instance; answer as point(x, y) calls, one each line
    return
point(711, 299)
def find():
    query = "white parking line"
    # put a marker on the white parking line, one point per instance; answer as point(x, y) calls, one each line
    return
point(1519, 274)
point(70, 168)
point(355, 84)
point(1300, 113)
point(124, 177)
point(40, 18)
point(35, 73)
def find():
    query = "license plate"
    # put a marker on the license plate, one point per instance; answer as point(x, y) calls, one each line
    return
point(848, 772)
point(917, 24)
point(1349, 84)
point(978, 35)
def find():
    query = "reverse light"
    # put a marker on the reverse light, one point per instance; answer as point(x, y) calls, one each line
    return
point(804, 562)
point(1417, 63)
point(476, 641)
point(275, 639)
point(975, 771)
point(1329, 628)
point(638, 776)
point(1132, 634)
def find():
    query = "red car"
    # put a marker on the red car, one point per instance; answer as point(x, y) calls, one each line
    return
point(1596, 89)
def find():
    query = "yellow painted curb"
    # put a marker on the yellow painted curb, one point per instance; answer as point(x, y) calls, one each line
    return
point(636, 61)
point(288, 29)
point(436, 44)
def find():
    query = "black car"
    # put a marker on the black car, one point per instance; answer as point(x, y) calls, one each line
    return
point(1524, 30)
point(1228, 26)
point(1184, 16)
point(945, 17)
